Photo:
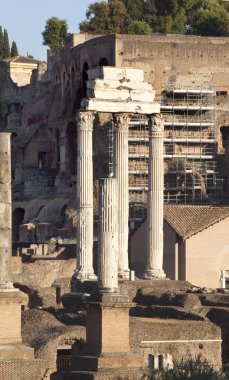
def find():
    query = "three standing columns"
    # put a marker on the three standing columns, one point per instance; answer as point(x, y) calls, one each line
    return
point(84, 269)
point(121, 173)
point(5, 213)
point(154, 269)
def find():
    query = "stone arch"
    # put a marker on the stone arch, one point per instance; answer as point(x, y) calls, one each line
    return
point(64, 79)
point(71, 149)
point(58, 150)
point(56, 75)
point(222, 124)
point(17, 220)
point(72, 76)
point(84, 79)
point(103, 62)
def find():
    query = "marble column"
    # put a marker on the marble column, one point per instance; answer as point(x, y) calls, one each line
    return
point(5, 213)
point(121, 173)
point(154, 267)
point(84, 269)
point(107, 248)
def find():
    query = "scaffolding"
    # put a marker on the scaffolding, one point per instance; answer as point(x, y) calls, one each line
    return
point(191, 174)
point(138, 167)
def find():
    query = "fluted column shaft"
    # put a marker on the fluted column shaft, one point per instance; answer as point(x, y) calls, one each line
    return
point(5, 213)
point(121, 173)
point(84, 270)
point(155, 200)
point(108, 250)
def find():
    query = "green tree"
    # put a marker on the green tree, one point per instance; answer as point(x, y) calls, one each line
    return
point(14, 49)
point(55, 33)
point(205, 17)
point(139, 27)
point(209, 18)
point(106, 18)
point(6, 45)
point(1, 43)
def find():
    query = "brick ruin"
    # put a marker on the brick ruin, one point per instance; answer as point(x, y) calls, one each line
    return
point(42, 120)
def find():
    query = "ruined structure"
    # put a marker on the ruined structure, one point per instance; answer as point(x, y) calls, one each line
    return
point(48, 170)
point(12, 351)
point(195, 135)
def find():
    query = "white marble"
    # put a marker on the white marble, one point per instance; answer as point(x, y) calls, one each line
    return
point(108, 244)
point(154, 267)
point(5, 213)
point(114, 73)
point(121, 173)
point(84, 229)
point(98, 105)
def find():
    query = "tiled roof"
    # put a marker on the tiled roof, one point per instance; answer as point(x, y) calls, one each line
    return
point(188, 220)
point(20, 59)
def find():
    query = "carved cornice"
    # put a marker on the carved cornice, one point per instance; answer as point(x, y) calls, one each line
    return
point(85, 120)
point(122, 121)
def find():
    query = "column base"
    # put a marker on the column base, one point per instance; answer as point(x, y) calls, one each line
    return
point(7, 287)
point(84, 276)
point(153, 274)
point(10, 312)
point(124, 275)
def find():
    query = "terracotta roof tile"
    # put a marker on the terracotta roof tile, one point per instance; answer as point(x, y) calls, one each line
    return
point(188, 220)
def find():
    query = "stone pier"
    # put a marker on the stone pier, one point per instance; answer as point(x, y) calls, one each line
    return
point(11, 299)
point(121, 173)
point(84, 270)
point(154, 269)
point(107, 248)
point(5, 212)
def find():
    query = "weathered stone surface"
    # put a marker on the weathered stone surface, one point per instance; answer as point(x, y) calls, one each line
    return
point(154, 267)
point(84, 230)
point(5, 212)
point(121, 173)
point(114, 73)
point(112, 106)
point(44, 231)
point(108, 236)
point(10, 311)
point(107, 84)
point(27, 233)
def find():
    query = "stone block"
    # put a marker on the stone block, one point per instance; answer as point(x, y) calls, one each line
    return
point(107, 321)
point(44, 231)
point(16, 265)
point(27, 233)
point(114, 73)
point(5, 221)
point(10, 316)
point(106, 84)
point(119, 107)
point(122, 95)
point(16, 351)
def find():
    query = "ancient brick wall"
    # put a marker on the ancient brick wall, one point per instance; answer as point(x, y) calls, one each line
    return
point(16, 369)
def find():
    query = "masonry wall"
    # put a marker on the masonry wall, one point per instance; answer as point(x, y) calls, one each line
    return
point(207, 253)
point(192, 338)
point(173, 58)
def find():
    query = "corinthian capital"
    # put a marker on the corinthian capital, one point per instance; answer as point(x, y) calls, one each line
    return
point(85, 120)
point(156, 123)
point(122, 121)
